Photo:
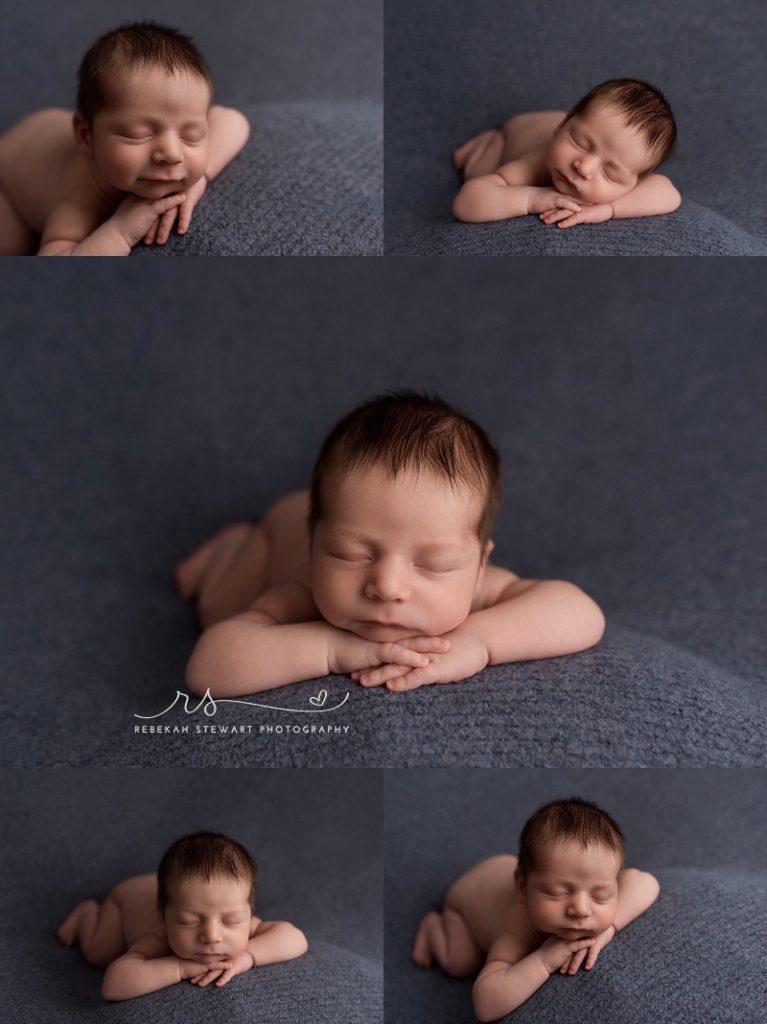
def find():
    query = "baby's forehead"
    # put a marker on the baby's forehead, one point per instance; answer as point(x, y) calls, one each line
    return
point(418, 505)
point(126, 86)
point(610, 123)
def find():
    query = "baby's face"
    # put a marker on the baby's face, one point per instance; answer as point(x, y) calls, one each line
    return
point(395, 558)
point(151, 139)
point(595, 157)
point(208, 920)
point(572, 892)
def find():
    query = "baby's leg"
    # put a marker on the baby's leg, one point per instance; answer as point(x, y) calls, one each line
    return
point(482, 154)
point(524, 132)
point(446, 938)
point(98, 930)
point(16, 237)
point(227, 573)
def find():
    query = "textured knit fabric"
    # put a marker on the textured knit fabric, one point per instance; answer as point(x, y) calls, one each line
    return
point(696, 954)
point(317, 843)
point(145, 412)
point(451, 73)
point(307, 77)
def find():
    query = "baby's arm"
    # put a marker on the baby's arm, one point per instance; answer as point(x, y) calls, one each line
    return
point(637, 891)
point(229, 131)
point(509, 977)
point(536, 619)
point(270, 645)
point(73, 230)
point(509, 192)
point(276, 941)
point(146, 967)
point(652, 196)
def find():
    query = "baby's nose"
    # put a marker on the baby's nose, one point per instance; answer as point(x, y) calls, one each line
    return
point(167, 149)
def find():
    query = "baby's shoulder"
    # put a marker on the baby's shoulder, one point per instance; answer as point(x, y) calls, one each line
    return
point(495, 580)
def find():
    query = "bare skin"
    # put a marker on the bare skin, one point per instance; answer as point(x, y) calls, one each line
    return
point(207, 934)
point(582, 170)
point(371, 596)
point(72, 188)
point(558, 919)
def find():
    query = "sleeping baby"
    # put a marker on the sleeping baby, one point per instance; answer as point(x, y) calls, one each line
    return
point(554, 907)
point(595, 163)
point(192, 920)
point(134, 159)
point(380, 571)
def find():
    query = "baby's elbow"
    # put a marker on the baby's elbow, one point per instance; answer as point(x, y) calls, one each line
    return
point(672, 196)
point(110, 987)
point(243, 128)
point(295, 941)
point(482, 1012)
point(588, 618)
point(204, 665)
point(652, 885)
point(467, 205)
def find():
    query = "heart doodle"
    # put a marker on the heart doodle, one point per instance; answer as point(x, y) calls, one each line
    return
point(320, 699)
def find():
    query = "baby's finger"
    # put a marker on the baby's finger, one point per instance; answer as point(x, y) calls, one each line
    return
point(567, 203)
point(184, 218)
point(571, 221)
point(209, 977)
point(427, 644)
point(166, 223)
point(159, 206)
point(412, 680)
point(554, 215)
point(591, 959)
point(382, 675)
point(396, 654)
point(576, 960)
point(563, 969)
point(151, 233)
point(226, 976)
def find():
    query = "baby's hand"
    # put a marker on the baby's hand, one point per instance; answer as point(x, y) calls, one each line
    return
point(191, 969)
point(546, 200)
point(589, 955)
point(135, 216)
point(465, 657)
point(160, 230)
point(224, 971)
point(556, 952)
point(587, 215)
point(349, 653)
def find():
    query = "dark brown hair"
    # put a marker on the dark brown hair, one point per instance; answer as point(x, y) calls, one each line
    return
point(561, 820)
point(144, 43)
point(644, 108)
point(205, 855)
point(403, 430)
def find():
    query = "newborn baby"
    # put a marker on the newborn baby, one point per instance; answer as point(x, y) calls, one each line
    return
point(592, 164)
point(136, 156)
point(380, 571)
point(193, 919)
point(554, 906)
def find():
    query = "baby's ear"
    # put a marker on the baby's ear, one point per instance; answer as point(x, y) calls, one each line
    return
point(82, 132)
point(487, 552)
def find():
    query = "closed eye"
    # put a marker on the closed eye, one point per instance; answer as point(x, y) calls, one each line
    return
point(137, 138)
point(436, 569)
point(350, 558)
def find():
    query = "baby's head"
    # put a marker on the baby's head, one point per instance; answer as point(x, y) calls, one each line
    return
point(205, 888)
point(142, 110)
point(612, 138)
point(403, 498)
point(570, 855)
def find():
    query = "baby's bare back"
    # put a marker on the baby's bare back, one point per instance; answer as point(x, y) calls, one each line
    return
point(486, 899)
point(137, 899)
point(40, 166)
